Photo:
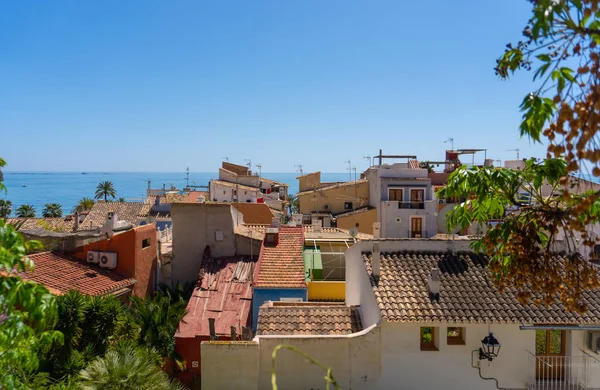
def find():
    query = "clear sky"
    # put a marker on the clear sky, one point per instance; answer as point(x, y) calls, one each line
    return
point(143, 85)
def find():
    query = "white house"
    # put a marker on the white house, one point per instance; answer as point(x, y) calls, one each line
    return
point(418, 315)
point(404, 199)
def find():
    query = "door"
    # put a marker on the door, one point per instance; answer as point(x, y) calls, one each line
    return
point(550, 353)
point(416, 199)
point(416, 227)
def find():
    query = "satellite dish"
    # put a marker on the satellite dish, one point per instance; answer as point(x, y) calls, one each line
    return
point(353, 232)
point(442, 227)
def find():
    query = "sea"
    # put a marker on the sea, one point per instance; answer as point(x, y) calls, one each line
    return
point(67, 188)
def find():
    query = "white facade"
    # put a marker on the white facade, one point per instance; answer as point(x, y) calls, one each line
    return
point(221, 191)
point(404, 199)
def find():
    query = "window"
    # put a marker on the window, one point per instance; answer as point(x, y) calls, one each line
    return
point(417, 198)
point(224, 192)
point(395, 194)
point(145, 243)
point(347, 205)
point(456, 336)
point(416, 227)
point(356, 224)
point(549, 342)
point(428, 339)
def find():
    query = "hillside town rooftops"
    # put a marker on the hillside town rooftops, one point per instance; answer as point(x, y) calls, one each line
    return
point(61, 273)
point(332, 186)
point(467, 294)
point(126, 211)
point(309, 318)
point(59, 224)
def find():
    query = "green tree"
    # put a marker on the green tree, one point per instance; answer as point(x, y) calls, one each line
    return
point(52, 210)
point(5, 208)
point(84, 204)
point(121, 199)
point(293, 204)
point(26, 211)
point(28, 310)
point(158, 320)
point(127, 366)
point(104, 190)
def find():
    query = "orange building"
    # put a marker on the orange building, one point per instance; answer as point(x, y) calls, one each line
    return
point(137, 256)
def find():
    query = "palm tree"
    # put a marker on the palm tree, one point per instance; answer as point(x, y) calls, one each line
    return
point(52, 210)
point(26, 211)
point(84, 204)
point(5, 208)
point(121, 199)
point(105, 189)
point(127, 366)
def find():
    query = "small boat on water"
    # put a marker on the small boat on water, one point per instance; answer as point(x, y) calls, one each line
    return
point(24, 185)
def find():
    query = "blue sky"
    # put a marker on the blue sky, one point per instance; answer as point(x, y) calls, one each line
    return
point(160, 85)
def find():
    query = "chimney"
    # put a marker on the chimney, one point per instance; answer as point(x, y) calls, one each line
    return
point(76, 220)
point(376, 260)
point(111, 219)
point(157, 200)
point(271, 236)
point(376, 229)
point(434, 285)
point(211, 327)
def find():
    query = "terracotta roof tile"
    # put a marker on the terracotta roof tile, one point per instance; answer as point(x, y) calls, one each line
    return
point(413, 164)
point(126, 211)
point(335, 185)
point(307, 319)
point(62, 224)
point(282, 266)
point(467, 294)
point(255, 213)
point(258, 231)
point(62, 273)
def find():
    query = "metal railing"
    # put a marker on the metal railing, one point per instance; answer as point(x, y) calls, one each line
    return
point(558, 372)
point(164, 235)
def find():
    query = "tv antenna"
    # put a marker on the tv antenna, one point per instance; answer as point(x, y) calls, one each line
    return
point(187, 177)
point(354, 169)
point(451, 140)
point(514, 150)
point(226, 158)
point(259, 166)
point(370, 161)
point(299, 169)
point(248, 163)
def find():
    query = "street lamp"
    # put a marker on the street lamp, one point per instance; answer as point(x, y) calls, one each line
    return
point(490, 347)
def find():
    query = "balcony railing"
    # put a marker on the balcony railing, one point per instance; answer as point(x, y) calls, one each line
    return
point(412, 205)
point(559, 372)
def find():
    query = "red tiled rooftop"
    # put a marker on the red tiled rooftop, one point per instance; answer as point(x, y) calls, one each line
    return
point(282, 266)
point(60, 274)
point(225, 294)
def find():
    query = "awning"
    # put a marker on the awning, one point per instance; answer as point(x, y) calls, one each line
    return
point(560, 327)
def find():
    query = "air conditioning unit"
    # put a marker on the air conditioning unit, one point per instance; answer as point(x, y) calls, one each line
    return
point(108, 260)
point(593, 341)
point(93, 257)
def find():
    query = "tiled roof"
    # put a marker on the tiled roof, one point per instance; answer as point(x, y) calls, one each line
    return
point(170, 197)
point(62, 273)
point(234, 185)
point(160, 214)
point(255, 213)
point(276, 318)
point(335, 185)
point(258, 231)
point(282, 266)
point(225, 294)
point(126, 211)
point(62, 224)
point(467, 294)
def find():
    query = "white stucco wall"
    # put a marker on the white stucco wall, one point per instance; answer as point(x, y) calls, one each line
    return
point(576, 346)
point(358, 287)
point(404, 363)
point(226, 192)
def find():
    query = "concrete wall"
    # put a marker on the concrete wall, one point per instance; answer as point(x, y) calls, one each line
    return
point(261, 295)
point(194, 227)
point(404, 363)
point(309, 181)
point(245, 246)
point(358, 287)
point(364, 220)
point(230, 365)
point(335, 198)
point(226, 192)
point(396, 222)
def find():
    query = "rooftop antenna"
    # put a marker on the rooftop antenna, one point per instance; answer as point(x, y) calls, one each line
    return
point(249, 163)
point(187, 177)
point(369, 158)
point(451, 140)
point(499, 162)
point(259, 166)
point(349, 168)
point(354, 169)
point(514, 150)
point(226, 158)
point(299, 169)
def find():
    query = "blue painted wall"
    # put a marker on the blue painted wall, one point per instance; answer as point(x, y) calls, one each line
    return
point(261, 295)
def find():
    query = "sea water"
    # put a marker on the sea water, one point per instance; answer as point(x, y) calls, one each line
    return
point(67, 188)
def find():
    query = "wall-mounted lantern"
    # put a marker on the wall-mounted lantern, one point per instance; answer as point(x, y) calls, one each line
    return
point(490, 347)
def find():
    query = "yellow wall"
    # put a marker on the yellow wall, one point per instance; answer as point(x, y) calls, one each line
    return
point(365, 221)
point(335, 291)
point(335, 197)
point(309, 181)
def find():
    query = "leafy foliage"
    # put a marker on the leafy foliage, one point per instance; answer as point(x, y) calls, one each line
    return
point(522, 246)
point(52, 210)
point(5, 208)
point(84, 204)
point(26, 211)
point(104, 190)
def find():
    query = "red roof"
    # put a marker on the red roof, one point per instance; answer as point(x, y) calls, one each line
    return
point(225, 294)
point(282, 266)
point(60, 274)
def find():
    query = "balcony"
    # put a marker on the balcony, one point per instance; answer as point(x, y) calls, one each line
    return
point(561, 372)
point(420, 205)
